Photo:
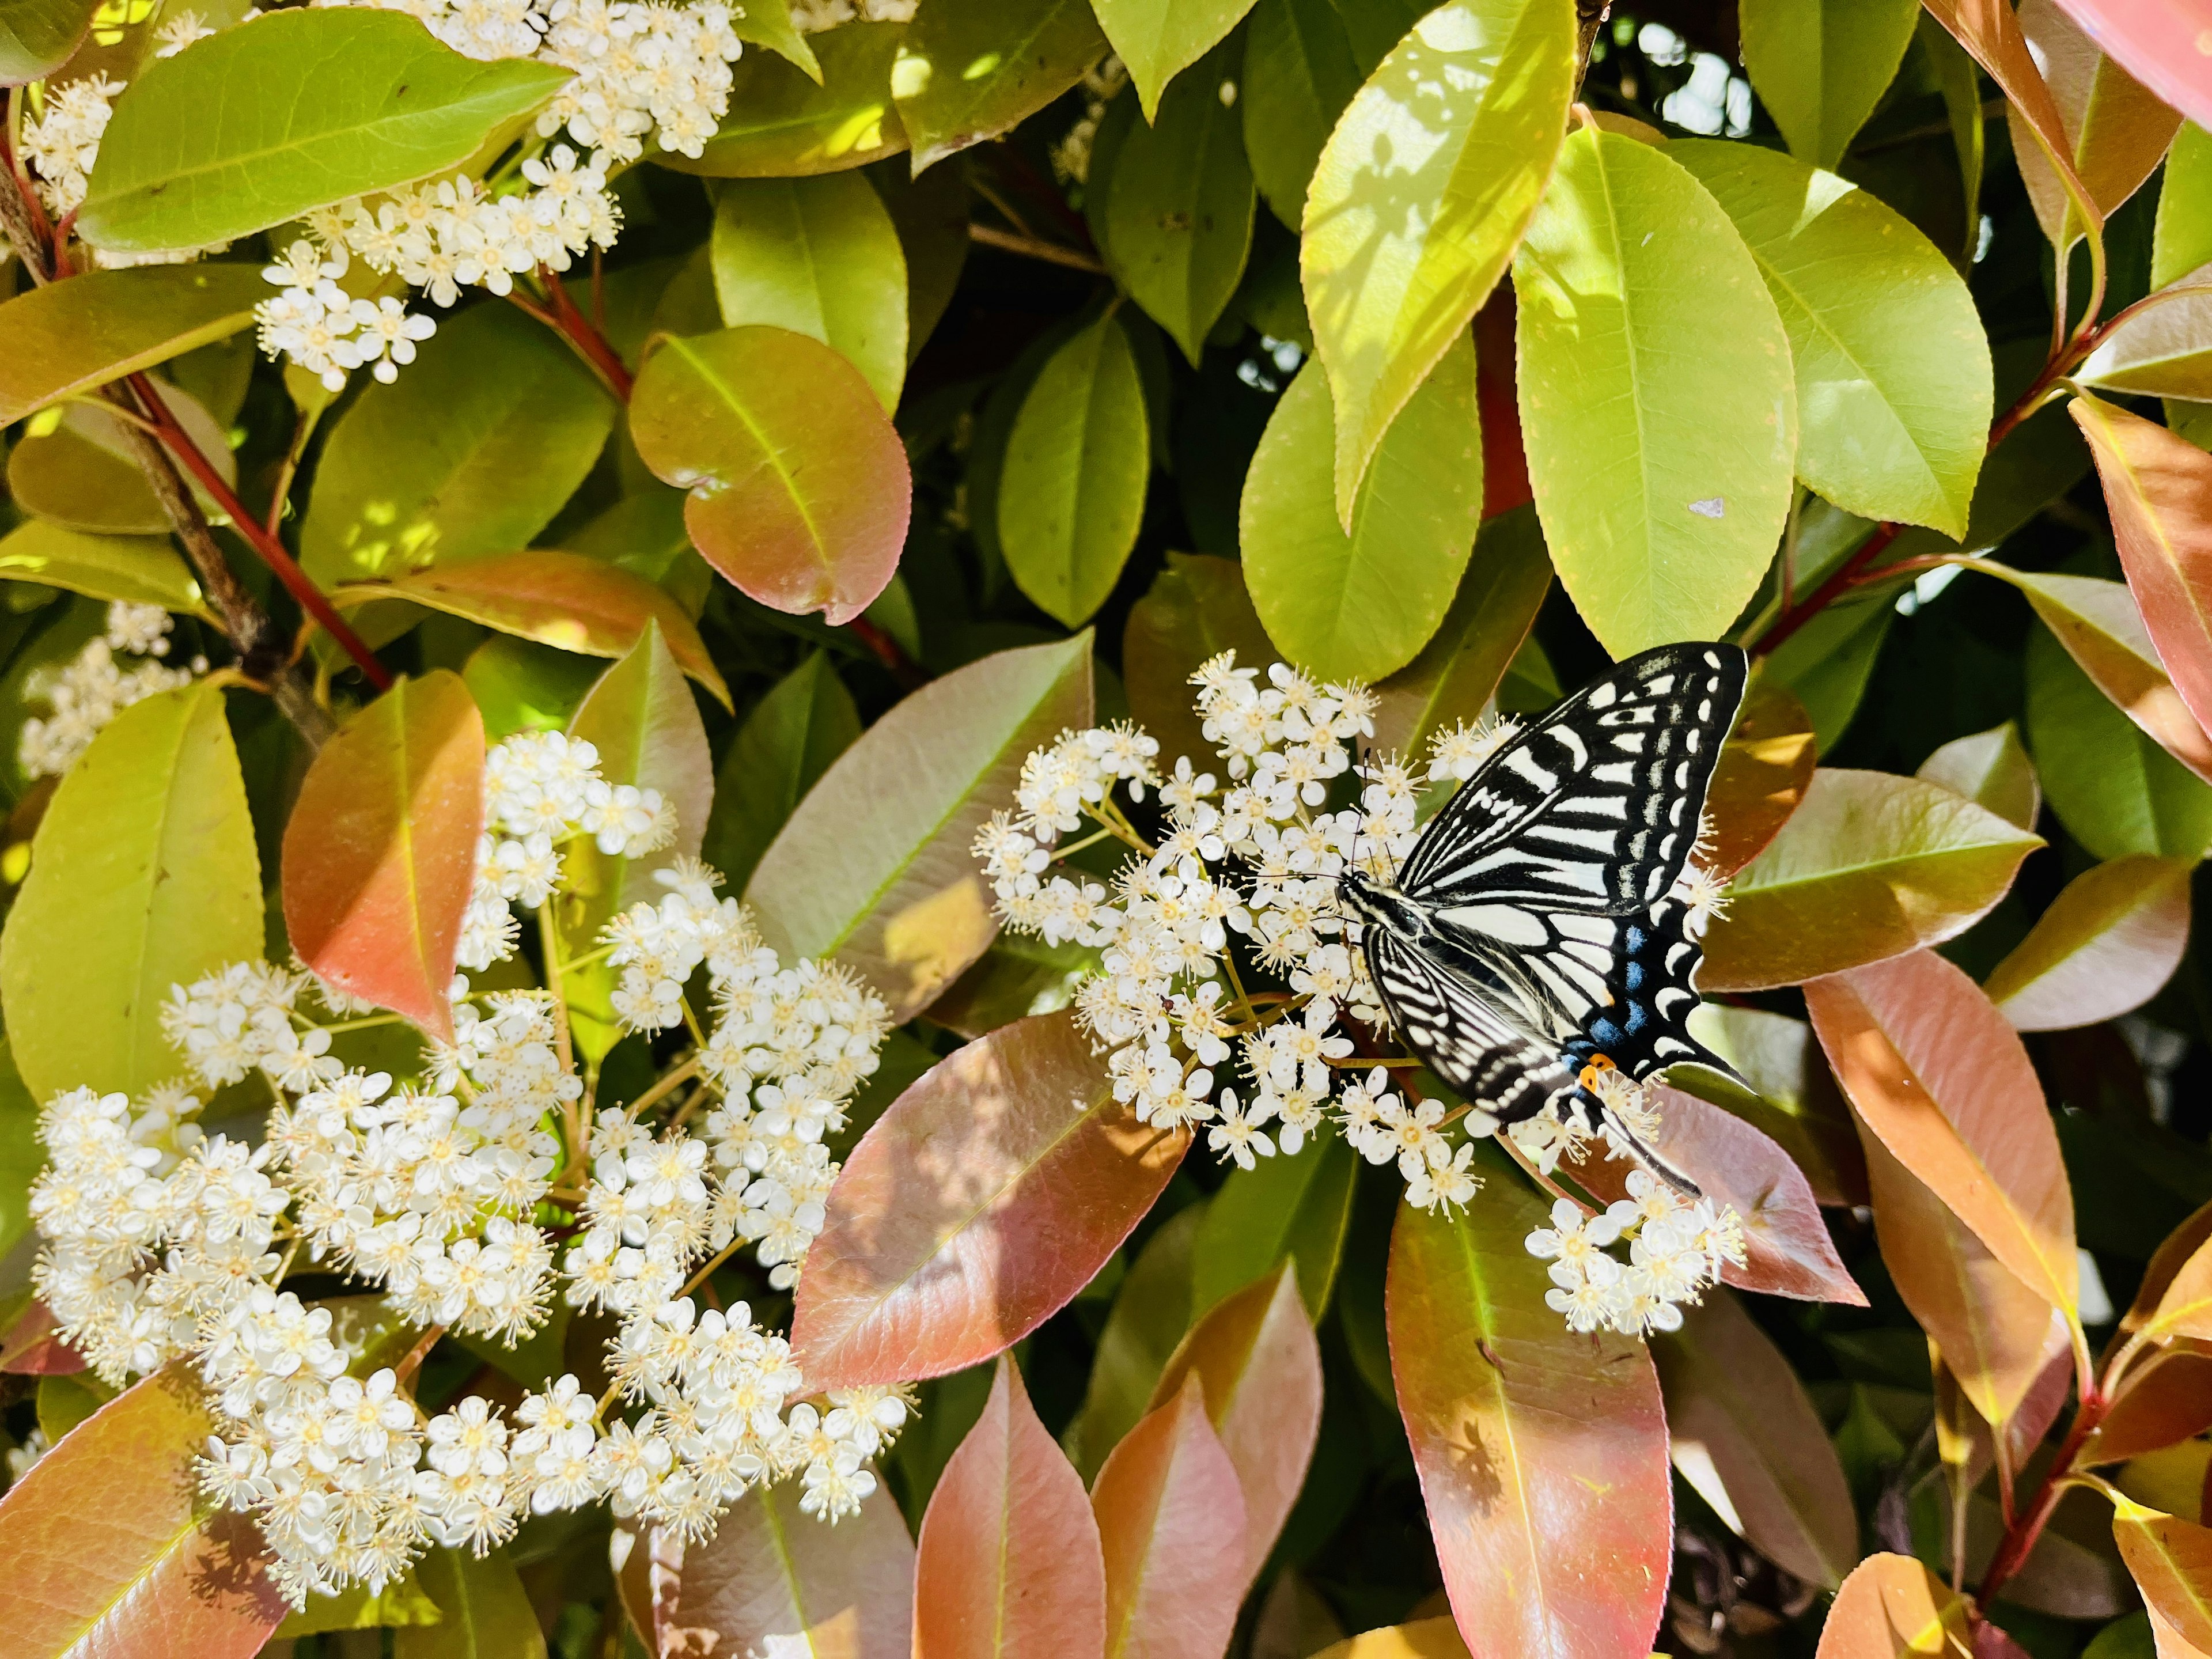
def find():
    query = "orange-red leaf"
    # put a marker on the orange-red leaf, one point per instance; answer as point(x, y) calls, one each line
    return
point(1171, 1520)
point(1892, 1608)
point(1936, 1073)
point(1009, 1564)
point(1764, 770)
point(30, 1347)
point(381, 848)
point(2104, 946)
point(111, 1552)
point(1990, 32)
point(1256, 1357)
point(2159, 44)
point(1789, 1252)
point(1542, 1455)
point(977, 1205)
point(2167, 1400)
point(2172, 1561)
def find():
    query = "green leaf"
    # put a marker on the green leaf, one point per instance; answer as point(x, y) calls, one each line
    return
point(1294, 1206)
point(1071, 495)
point(1375, 28)
point(1150, 1312)
point(800, 489)
point(522, 687)
point(1196, 609)
point(401, 1602)
point(83, 475)
point(781, 123)
point(1821, 66)
point(144, 875)
point(1179, 206)
point(140, 570)
point(66, 1401)
point(68, 337)
point(380, 850)
point(1893, 369)
point(1990, 769)
point(37, 36)
point(1158, 40)
point(931, 217)
point(874, 867)
point(2182, 240)
point(1300, 74)
point(2114, 788)
point(200, 152)
point(642, 719)
point(471, 451)
point(1657, 402)
point(487, 1612)
point(773, 26)
point(819, 257)
point(1870, 865)
point(1424, 188)
point(1361, 606)
point(21, 1157)
point(804, 722)
point(968, 72)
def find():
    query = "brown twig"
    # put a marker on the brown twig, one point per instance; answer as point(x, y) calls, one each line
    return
point(1033, 247)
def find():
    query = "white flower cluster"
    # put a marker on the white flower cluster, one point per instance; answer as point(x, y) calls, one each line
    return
point(818, 16)
point(1676, 1247)
point(1101, 83)
point(63, 143)
point(92, 688)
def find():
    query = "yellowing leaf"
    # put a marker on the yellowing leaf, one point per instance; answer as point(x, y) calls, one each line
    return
point(1990, 769)
point(2117, 131)
point(1892, 1608)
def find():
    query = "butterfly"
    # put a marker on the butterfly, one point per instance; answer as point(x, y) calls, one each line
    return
point(1533, 937)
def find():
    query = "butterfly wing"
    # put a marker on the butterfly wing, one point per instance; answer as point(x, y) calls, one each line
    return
point(1642, 1025)
point(1484, 1056)
point(1592, 811)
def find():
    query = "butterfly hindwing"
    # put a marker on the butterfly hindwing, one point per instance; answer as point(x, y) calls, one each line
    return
point(1485, 1059)
point(1641, 1028)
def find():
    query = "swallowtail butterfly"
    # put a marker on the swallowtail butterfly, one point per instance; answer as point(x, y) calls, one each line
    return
point(1532, 934)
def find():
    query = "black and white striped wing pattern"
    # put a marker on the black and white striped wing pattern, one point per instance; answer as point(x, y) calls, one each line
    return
point(1640, 1027)
point(1592, 811)
point(1488, 1060)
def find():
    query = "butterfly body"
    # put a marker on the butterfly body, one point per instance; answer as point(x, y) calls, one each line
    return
point(1532, 937)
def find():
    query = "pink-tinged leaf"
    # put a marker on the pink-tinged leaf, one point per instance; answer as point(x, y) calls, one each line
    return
point(2107, 944)
point(111, 1552)
point(561, 599)
point(1936, 1073)
point(2171, 1560)
point(33, 1346)
point(1787, 1250)
point(1991, 769)
point(1542, 1455)
point(1009, 1566)
point(1991, 33)
point(1742, 1433)
point(2117, 131)
point(1764, 769)
point(1892, 1608)
point(1171, 1520)
point(1255, 1356)
point(2157, 41)
point(800, 489)
point(774, 1579)
point(381, 852)
point(2169, 1642)
point(2158, 484)
point(2167, 1400)
point(1962, 1434)
point(2178, 1250)
point(976, 1207)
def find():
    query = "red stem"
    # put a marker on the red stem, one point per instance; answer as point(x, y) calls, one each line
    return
point(2020, 1538)
point(577, 329)
point(267, 546)
point(1845, 575)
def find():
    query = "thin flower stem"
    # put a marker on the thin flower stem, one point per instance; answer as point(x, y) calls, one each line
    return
point(715, 1262)
point(1067, 848)
point(619, 390)
point(412, 1362)
point(667, 1086)
point(588, 338)
point(365, 1023)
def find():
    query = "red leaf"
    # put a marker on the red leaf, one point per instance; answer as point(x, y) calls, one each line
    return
point(1171, 1521)
point(977, 1205)
point(1788, 1250)
point(1542, 1455)
point(1009, 1566)
point(2157, 41)
point(1892, 1608)
point(2168, 1399)
point(381, 848)
point(110, 1550)
point(774, 1579)
point(1504, 463)
point(1256, 1357)
point(2171, 1559)
point(31, 1347)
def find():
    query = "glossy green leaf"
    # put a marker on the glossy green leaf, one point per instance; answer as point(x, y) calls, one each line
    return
point(2182, 239)
point(1150, 1312)
point(68, 337)
point(1426, 183)
point(380, 850)
point(401, 1602)
point(1555, 1542)
point(1361, 606)
point(471, 451)
point(787, 742)
point(521, 687)
point(1820, 66)
point(37, 36)
point(2116, 790)
point(2117, 131)
point(644, 533)
point(2107, 944)
point(140, 570)
point(1960, 81)
point(1990, 769)
point(1870, 865)
point(642, 719)
point(1299, 74)
point(487, 1612)
point(144, 875)
point(775, 27)
point(21, 1156)
point(1071, 494)
point(1196, 609)
point(84, 474)
point(1647, 337)
point(1293, 1207)
point(968, 72)
point(1892, 367)
point(110, 1548)
point(800, 487)
point(874, 867)
point(1157, 39)
point(561, 599)
point(198, 152)
point(1179, 204)
point(821, 257)
point(781, 123)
